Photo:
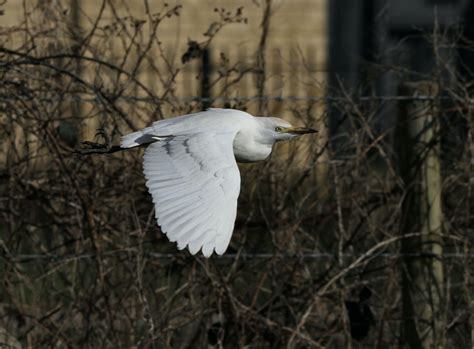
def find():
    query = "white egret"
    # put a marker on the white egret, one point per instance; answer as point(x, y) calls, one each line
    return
point(191, 170)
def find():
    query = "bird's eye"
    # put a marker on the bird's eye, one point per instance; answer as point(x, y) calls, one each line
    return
point(279, 129)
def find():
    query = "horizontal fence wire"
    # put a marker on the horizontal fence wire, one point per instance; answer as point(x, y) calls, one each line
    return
point(23, 258)
point(238, 99)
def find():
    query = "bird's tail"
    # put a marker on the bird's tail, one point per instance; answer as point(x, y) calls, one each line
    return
point(140, 138)
point(130, 140)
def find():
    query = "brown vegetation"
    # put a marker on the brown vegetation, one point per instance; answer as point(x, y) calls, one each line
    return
point(318, 234)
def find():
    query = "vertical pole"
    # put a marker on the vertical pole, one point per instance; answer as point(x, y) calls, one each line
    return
point(344, 57)
point(68, 130)
point(205, 78)
point(468, 249)
point(422, 273)
point(261, 62)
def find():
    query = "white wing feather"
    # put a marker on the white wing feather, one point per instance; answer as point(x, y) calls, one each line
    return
point(195, 182)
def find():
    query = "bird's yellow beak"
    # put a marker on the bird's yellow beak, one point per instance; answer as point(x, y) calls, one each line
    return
point(300, 130)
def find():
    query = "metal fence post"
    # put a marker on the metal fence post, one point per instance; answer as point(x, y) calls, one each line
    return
point(422, 273)
point(206, 71)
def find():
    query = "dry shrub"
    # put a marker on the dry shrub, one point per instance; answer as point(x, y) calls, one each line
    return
point(84, 264)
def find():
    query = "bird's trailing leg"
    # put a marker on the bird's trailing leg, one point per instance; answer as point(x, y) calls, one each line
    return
point(98, 148)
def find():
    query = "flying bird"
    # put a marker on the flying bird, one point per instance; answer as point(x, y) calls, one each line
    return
point(191, 170)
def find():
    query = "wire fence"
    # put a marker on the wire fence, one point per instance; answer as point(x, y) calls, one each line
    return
point(23, 258)
point(394, 98)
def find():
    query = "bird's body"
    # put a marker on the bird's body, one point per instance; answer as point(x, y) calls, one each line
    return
point(192, 174)
point(249, 144)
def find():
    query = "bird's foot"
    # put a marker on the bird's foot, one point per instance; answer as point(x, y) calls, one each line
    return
point(105, 136)
point(95, 147)
point(91, 148)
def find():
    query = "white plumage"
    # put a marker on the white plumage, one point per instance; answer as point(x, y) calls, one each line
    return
point(192, 174)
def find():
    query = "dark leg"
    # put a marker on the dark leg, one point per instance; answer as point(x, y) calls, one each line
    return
point(98, 148)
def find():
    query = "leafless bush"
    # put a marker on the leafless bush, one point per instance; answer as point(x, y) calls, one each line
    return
point(84, 264)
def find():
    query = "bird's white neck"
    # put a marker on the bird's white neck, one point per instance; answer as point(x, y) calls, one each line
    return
point(252, 143)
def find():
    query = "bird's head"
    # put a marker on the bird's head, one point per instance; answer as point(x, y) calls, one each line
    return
point(280, 130)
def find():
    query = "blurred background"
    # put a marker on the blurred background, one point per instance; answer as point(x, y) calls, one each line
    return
point(359, 237)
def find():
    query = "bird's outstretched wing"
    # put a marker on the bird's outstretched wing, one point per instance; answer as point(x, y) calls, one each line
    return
point(195, 182)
